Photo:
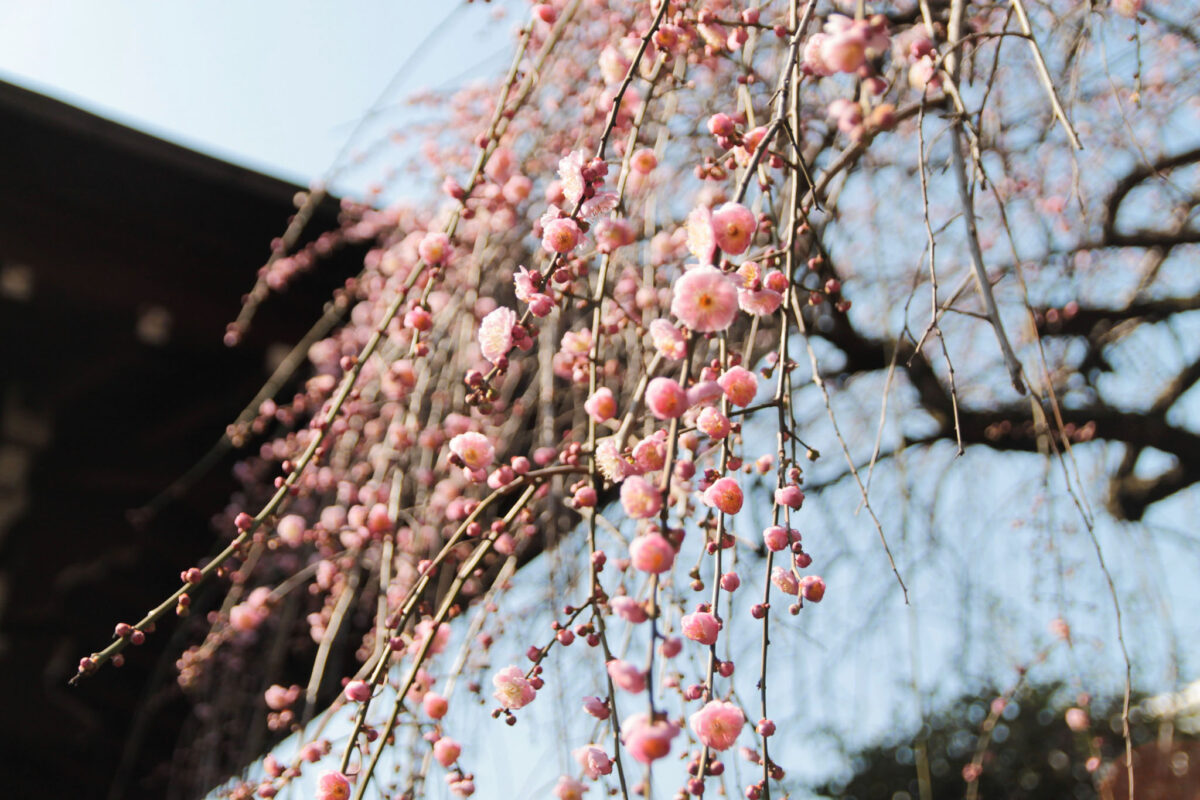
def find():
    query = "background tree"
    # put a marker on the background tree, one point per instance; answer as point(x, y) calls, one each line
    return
point(1025, 744)
point(732, 256)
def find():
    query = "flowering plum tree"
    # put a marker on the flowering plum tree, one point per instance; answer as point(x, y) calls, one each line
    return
point(621, 333)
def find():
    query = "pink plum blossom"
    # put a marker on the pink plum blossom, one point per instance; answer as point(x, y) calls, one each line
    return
point(593, 760)
point(524, 281)
point(643, 161)
point(651, 553)
point(639, 498)
point(704, 299)
point(733, 227)
point(668, 340)
point(601, 406)
point(776, 538)
point(813, 588)
point(762, 303)
point(700, 627)
point(724, 495)
point(473, 449)
point(434, 248)
point(785, 581)
point(569, 788)
point(722, 125)
point(718, 724)
point(421, 633)
point(754, 297)
point(570, 173)
point(700, 240)
point(1127, 8)
point(596, 707)
point(602, 203)
point(626, 676)
point(813, 56)
point(665, 398)
point(560, 235)
point(517, 188)
point(740, 385)
point(628, 609)
point(513, 690)
point(648, 740)
point(845, 48)
point(651, 453)
point(612, 234)
point(496, 333)
point(612, 465)
point(333, 786)
point(713, 423)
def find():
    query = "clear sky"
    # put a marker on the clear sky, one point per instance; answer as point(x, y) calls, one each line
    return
point(276, 85)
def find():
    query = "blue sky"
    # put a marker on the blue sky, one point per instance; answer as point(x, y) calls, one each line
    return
point(276, 86)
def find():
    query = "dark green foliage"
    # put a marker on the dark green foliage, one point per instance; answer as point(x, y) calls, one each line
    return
point(1032, 753)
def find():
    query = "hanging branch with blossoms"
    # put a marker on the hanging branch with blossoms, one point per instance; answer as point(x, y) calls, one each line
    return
point(572, 345)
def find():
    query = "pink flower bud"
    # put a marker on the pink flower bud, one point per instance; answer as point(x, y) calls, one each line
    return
point(585, 497)
point(446, 751)
point(596, 707)
point(813, 588)
point(291, 530)
point(358, 691)
point(435, 705)
point(789, 496)
point(704, 393)
point(671, 646)
point(721, 125)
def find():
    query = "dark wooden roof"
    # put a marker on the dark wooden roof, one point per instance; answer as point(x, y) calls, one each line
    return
point(103, 229)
